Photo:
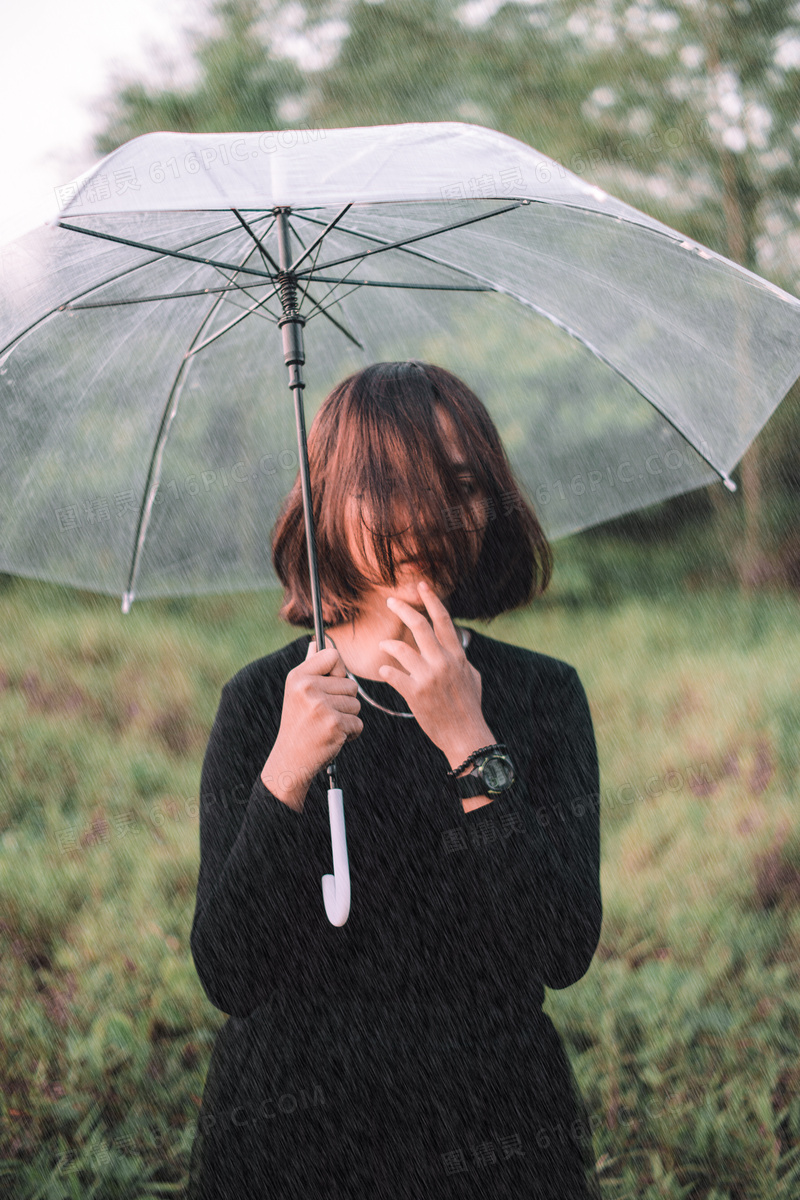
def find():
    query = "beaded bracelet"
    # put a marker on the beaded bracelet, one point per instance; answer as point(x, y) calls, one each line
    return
point(483, 750)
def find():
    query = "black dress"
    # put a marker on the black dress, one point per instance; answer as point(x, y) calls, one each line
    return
point(403, 1055)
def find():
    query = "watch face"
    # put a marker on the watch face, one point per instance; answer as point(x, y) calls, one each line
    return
point(497, 773)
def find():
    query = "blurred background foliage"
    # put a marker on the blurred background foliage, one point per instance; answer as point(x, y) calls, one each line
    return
point(682, 621)
point(685, 1032)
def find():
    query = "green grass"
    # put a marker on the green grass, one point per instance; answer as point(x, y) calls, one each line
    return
point(683, 1035)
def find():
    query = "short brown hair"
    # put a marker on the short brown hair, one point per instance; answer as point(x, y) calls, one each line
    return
point(376, 439)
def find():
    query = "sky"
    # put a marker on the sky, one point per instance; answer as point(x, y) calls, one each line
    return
point(57, 62)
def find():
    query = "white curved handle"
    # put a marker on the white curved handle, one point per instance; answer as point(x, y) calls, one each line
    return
point(336, 887)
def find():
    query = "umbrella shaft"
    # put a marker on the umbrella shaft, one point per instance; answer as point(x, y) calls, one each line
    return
point(291, 326)
point(293, 352)
point(296, 384)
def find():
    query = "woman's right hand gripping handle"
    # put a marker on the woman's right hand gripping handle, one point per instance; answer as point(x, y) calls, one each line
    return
point(320, 713)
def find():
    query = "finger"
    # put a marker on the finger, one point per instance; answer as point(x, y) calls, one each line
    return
point(336, 665)
point(335, 685)
point(339, 668)
point(329, 654)
point(406, 655)
point(312, 648)
point(443, 625)
point(354, 725)
point(398, 680)
point(356, 730)
point(420, 626)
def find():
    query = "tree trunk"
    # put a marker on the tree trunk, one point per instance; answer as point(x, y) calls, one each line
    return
point(740, 200)
point(749, 560)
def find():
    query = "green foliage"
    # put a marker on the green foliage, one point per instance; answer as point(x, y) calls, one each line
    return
point(694, 112)
point(381, 38)
point(239, 84)
point(683, 1035)
point(788, 720)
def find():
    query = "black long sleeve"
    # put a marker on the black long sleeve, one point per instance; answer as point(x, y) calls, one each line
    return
point(528, 864)
point(565, 815)
point(253, 887)
point(541, 848)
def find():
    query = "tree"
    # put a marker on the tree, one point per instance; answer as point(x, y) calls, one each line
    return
point(241, 83)
point(704, 95)
point(423, 60)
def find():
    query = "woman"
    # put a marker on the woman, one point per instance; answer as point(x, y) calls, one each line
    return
point(405, 1053)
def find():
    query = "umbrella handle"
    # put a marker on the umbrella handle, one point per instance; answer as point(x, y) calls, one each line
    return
point(336, 887)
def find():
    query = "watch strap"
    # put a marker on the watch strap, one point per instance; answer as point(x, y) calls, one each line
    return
point(466, 786)
point(473, 784)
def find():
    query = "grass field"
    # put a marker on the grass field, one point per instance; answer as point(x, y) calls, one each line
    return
point(684, 1035)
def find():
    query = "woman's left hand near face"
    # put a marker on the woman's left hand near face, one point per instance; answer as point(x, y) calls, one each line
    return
point(441, 686)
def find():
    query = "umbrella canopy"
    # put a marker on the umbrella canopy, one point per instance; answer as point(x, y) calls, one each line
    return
point(148, 441)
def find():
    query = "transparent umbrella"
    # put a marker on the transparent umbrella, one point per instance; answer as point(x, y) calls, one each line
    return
point(147, 444)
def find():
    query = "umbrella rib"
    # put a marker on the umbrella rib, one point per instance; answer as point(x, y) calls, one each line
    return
point(317, 304)
point(304, 286)
point(236, 321)
point(230, 287)
point(264, 252)
point(355, 287)
point(259, 304)
point(602, 357)
point(465, 271)
point(236, 287)
point(496, 212)
point(306, 251)
point(208, 262)
point(154, 470)
point(318, 241)
point(670, 235)
point(262, 303)
point(334, 283)
point(426, 256)
point(245, 288)
point(320, 305)
point(425, 287)
point(266, 258)
point(96, 286)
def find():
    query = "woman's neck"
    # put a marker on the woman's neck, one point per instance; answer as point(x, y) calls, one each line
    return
point(358, 646)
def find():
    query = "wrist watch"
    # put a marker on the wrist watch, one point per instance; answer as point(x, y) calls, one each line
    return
point(491, 775)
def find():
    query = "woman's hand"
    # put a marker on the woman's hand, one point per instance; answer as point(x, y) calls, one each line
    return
point(320, 713)
point(439, 684)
